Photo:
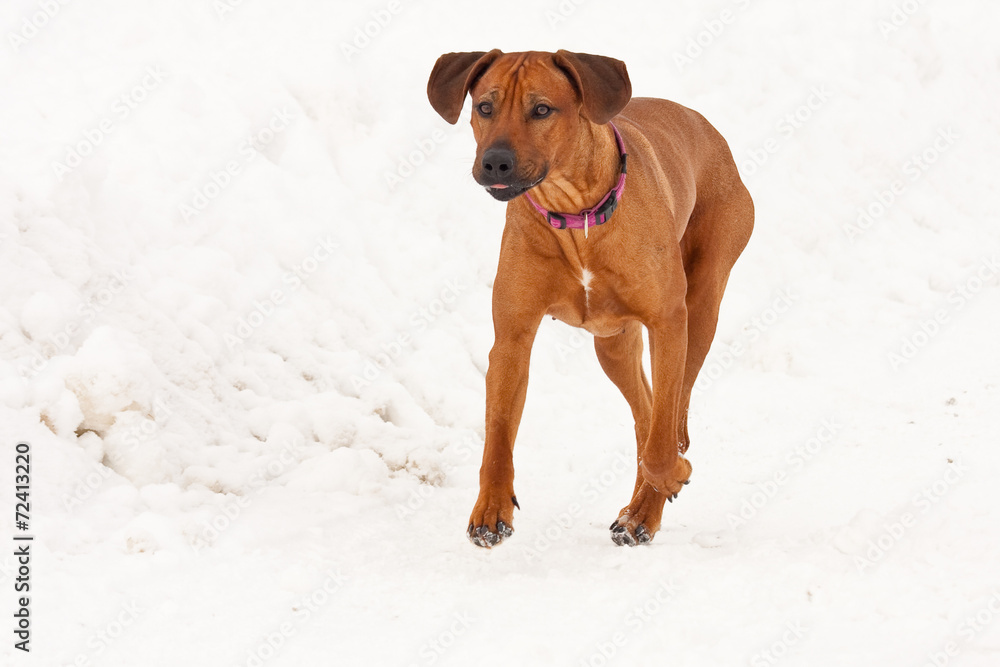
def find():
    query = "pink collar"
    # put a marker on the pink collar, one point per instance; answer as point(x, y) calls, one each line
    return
point(597, 215)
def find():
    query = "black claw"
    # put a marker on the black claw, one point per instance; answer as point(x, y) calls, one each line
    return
point(514, 500)
point(675, 495)
point(487, 537)
point(686, 482)
point(621, 536)
point(641, 535)
point(613, 524)
point(670, 498)
point(483, 537)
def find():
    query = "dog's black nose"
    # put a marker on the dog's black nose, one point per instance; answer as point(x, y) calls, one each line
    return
point(498, 164)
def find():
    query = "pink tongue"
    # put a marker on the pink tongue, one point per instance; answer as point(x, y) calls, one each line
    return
point(498, 186)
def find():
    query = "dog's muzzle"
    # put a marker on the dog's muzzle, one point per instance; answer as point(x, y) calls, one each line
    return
point(498, 174)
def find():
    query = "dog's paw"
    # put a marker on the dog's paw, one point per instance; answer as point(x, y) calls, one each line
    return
point(482, 536)
point(625, 536)
point(492, 519)
point(639, 521)
point(668, 480)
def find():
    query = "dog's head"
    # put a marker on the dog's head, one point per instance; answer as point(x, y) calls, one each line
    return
point(526, 109)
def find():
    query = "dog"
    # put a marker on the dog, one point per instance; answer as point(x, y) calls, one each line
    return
point(663, 216)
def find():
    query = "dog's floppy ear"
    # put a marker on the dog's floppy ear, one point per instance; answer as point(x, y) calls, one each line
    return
point(452, 77)
point(601, 82)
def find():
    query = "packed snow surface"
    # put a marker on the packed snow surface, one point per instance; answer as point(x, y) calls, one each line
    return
point(245, 320)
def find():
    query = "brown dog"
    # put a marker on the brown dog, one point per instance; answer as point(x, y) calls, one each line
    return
point(659, 254)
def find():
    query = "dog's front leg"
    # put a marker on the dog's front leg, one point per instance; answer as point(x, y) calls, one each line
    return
point(506, 386)
point(662, 470)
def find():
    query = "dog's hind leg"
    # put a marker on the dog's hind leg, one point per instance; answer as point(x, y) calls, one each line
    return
point(714, 239)
point(621, 359)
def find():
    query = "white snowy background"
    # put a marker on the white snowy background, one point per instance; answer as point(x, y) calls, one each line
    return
point(245, 318)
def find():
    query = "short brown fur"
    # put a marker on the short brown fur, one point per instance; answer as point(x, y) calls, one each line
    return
point(662, 261)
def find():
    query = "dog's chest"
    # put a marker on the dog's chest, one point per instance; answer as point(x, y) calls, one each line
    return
point(590, 302)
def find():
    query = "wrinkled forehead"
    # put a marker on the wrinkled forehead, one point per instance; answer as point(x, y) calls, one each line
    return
point(528, 75)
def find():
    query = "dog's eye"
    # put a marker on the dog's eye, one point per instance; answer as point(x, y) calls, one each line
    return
point(485, 109)
point(542, 110)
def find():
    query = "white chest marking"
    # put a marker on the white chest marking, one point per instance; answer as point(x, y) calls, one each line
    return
point(585, 281)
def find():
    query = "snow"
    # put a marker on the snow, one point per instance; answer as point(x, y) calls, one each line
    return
point(246, 320)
